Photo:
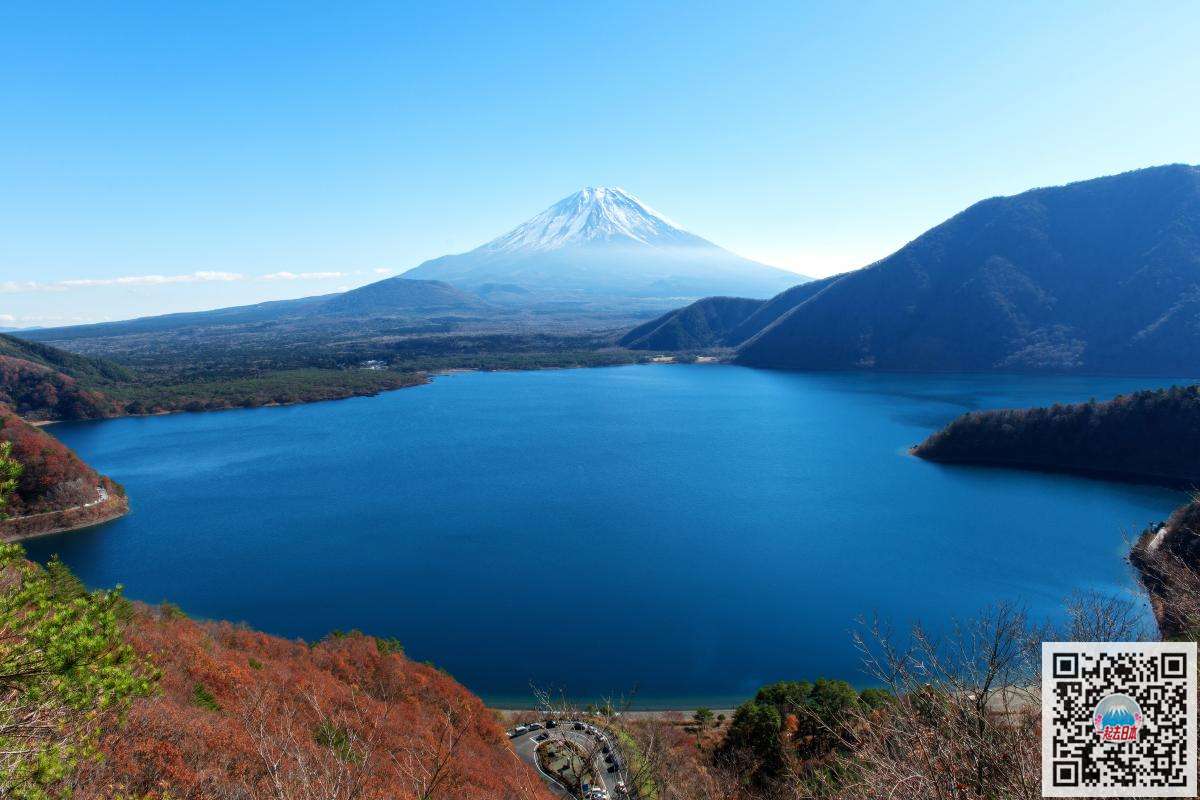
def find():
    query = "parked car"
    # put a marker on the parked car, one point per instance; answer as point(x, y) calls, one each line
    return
point(517, 731)
point(578, 726)
point(533, 726)
point(543, 737)
point(551, 723)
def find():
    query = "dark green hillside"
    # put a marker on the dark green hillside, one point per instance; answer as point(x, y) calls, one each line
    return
point(1151, 436)
point(704, 323)
point(719, 321)
point(776, 308)
point(1097, 276)
point(79, 367)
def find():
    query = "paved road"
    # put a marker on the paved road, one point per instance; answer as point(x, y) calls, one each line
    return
point(526, 744)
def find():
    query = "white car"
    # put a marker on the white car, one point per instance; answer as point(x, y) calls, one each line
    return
point(517, 731)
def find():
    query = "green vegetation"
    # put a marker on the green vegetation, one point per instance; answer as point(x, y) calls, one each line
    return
point(338, 739)
point(205, 370)
point(389, 645)
point(639, 769)
point(64, 669)
point(10, 473)
point(203, 698)
point(808, 718)
point(1148, 436)
point(172, 611)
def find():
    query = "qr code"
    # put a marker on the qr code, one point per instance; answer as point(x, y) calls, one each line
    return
point(1119, 719)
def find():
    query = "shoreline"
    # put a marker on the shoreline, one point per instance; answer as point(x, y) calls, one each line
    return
point(19, 529)
point(1107, 475)
point(679, 715)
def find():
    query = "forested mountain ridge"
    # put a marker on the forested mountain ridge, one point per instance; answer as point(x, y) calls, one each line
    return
point(41, 382)
point(705, 323)
point(1096, 276)
point(1101, 275)
point(1151, 436)
point(720, 321)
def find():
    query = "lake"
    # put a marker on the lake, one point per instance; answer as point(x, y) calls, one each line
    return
point(688, 531)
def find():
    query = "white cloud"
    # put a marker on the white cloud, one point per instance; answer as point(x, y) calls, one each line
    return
point(384, 270)
point(30, 320)
point(127, 280)
point(203, 276)
point(302, 276)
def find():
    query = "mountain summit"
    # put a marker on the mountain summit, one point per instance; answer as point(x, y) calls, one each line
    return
point(598, 214)
point(603, 241)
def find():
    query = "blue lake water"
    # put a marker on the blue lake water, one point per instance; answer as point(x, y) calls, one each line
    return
point(691, 531)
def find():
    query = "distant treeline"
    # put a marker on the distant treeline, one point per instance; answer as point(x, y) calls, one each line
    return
point(1150, 436)
point(41, 382)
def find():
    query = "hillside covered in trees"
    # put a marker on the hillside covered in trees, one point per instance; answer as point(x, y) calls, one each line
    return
point(40, 382)
point(101, 698)
point(1151, 436)
point(1096, 276)
point(243, 714)
point(52, 480)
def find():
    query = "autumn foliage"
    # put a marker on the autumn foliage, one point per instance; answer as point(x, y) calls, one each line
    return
point(53, 477)
point(39, 392)
point(242, 714)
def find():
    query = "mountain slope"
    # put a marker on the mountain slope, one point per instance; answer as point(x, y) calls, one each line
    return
point(41, 382)
point(1101, 275)
point(56, 490)
point(603, 241)
point(242, 714)
point(719, 321)
point(392, 295)
point(705, 323)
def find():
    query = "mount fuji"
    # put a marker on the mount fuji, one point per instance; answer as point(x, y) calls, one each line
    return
point(603, 242)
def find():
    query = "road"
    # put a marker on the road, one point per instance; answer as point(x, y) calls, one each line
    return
point(526, 745)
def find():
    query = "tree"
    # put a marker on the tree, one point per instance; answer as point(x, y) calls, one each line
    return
point(63, 670)
point(10, 473)
point(703, 717)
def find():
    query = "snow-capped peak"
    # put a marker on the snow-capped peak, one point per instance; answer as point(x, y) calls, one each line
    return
point(594, 214)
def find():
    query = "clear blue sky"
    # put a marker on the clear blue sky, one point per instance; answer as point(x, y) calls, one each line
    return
point(350, 139)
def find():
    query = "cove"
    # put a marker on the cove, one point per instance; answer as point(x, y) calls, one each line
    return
point(688, 532)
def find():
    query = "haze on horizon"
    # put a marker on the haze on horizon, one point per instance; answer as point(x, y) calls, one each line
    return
point(169, 159)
